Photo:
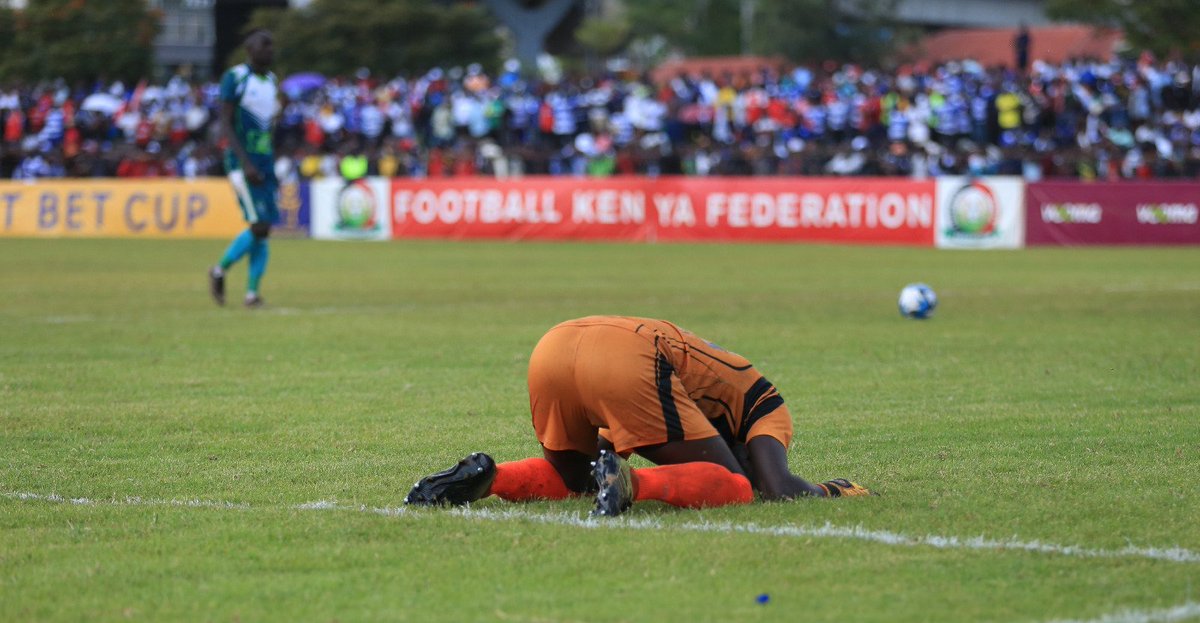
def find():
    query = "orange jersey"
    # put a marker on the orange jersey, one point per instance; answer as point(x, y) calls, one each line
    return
point(647, 382)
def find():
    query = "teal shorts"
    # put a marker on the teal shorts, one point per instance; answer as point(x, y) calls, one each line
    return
point(257, 201)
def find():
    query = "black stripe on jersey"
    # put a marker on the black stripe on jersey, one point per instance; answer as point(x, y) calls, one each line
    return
point(722, 426)
point(662, 377)
point(725, 407)
point(718, 359)
point(764, 408)
point(753, 410)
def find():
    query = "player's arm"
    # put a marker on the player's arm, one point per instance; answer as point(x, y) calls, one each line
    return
point(774, 481)
point(228, 110)
point(769, 471)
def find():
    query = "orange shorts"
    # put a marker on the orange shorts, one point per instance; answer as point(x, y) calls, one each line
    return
point(586, 377)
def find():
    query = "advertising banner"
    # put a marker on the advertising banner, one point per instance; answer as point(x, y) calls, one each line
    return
point(360, 210)
point(980, 213)
point(529, 208)
point(141, 208)
point(1116, 213)
point(873, 211)
point(294, 209)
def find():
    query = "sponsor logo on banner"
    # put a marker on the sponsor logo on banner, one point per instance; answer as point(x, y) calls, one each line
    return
point(359, 210)
point(1167, 213)
point(980, 213)
point(1072, 213)
point(120, 208)
point(1126, 212)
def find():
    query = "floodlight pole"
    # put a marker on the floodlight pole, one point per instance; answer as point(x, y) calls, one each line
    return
point(748, 8)
point(530, 27)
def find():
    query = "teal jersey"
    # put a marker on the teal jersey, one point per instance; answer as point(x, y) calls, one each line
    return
point(256, 97)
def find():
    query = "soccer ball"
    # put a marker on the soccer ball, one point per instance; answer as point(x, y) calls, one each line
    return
point(917, 300)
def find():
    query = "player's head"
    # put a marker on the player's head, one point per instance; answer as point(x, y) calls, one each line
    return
point(260, 47)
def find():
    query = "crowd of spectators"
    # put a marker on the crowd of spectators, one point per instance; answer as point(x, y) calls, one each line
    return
point(1120, 119)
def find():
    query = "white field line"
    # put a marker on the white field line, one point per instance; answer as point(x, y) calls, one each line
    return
point(1141, 287)
point(69, 319)
point(826, 531)
point(830, 531)
point(270, 311)
point(122, 501)
point(1182, 612)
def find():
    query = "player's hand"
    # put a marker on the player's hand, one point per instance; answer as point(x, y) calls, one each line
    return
point(253, 175)
point(840, 487)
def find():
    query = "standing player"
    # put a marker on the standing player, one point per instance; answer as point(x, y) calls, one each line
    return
point(249, 105)
point(603, 387)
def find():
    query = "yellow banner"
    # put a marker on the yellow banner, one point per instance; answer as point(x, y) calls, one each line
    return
point(139, 208)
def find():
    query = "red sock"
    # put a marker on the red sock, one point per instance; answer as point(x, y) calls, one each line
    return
point(529, 479)
point(692, 485)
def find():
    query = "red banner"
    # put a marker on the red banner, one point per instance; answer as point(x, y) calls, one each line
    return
point(1119, 213)
point(873, 211)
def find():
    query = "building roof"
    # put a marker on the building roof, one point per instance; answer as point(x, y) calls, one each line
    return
point(716, 66)
point(994, 46)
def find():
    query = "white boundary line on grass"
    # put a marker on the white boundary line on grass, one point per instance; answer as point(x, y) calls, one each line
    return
point(828, 530)
point(124, 501)
point(1182, 612)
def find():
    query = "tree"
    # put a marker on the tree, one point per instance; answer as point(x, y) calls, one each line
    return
point(701, 28)
point(8, 32)
point(336, 37)
point(603, 36)
point(802, 30)
point(80, 40)
point(1161, 26)
point(816, 30)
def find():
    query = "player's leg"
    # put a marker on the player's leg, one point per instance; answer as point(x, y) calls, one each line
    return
point(241, 244)
point(236, 250)
point(478, 476)
point(634, 388)
point(266, 212)
point(568, 442)
point(560, 421)
point(259, 254)
point(694, 474)
point(557, 476)
point(697, 473)
point(469, 480)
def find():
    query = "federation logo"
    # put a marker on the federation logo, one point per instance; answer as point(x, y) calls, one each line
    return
point(973, 212)
point(356, 209)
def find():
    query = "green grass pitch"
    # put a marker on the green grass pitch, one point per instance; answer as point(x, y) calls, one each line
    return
point(233, 465)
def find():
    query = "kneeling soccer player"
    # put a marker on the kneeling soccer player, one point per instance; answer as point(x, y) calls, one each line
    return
point(603, 387)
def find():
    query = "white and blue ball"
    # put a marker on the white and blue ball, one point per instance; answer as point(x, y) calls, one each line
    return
point(917, 300)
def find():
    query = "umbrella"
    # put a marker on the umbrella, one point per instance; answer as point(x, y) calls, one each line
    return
point(298, 84)
point(102, 103)
point(153, 94)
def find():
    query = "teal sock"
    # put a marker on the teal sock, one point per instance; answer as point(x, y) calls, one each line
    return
point(237, 249)
point(259, 254)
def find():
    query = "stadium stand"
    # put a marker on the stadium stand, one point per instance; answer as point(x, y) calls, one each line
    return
point(1119, 119)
